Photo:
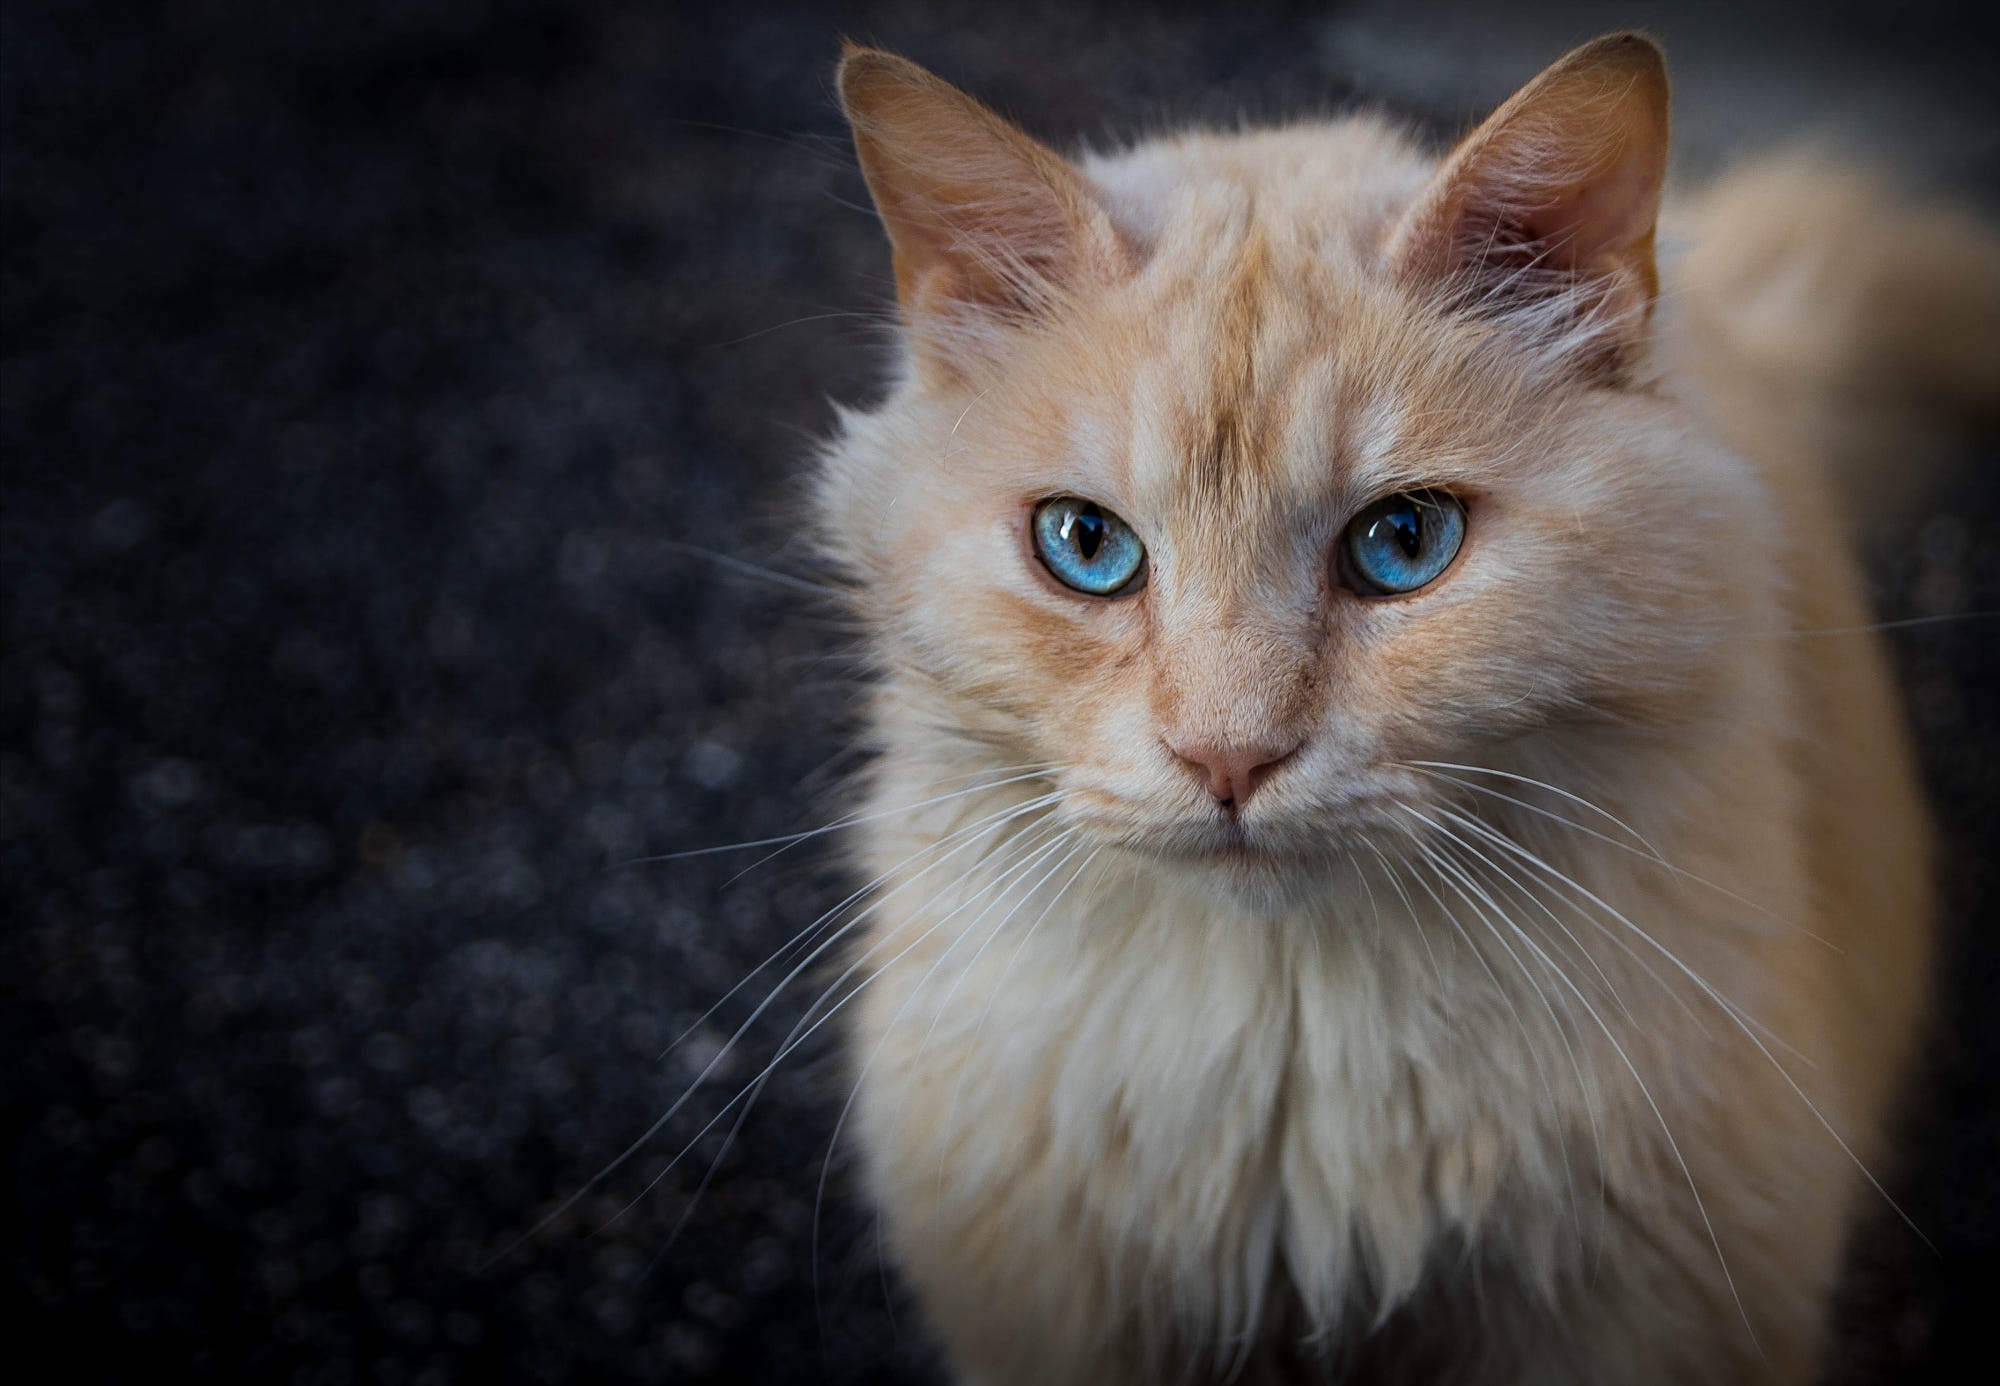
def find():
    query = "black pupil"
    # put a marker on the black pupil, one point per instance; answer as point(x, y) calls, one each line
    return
point(1087, 531)
point(1408, 527)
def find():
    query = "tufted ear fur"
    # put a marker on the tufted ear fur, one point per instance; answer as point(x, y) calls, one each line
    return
point(990, 228)
point(1545, 213)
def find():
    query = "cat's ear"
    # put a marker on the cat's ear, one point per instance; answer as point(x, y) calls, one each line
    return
point(989, 227)
point(1545, 213)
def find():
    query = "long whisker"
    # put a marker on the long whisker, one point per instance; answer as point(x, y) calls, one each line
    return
point(1643, 964)
point(851, 820)
point(1069, 836)
point(1032, 769)
point(1871, 627)
point(1440, 864)
point(1374, 908)
point(748, 1099)
point(748, 569)
point(1586, 1090)
point(728, 1141)
point(803, 1032)
point(1729, 1009)
point(1059, 842)
point(1485, 860)
point(804, 935)
point(1500, 989)
point(845, 315)
point(1000, 984)
point(826, 1165)
point(1522, 889)
point(1024, 841)
point(1665, 1130)
point(1558, 790)
point(969, 836)
point(728, 1046)
point(1410, 910)
point(819, 1196)
point(1650, 854)
point(1556, 877)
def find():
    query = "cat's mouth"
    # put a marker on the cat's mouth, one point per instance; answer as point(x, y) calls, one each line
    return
point(1228, 845)
point(1302, 847)
point(1248, 857)
point(1263, 849)
point(1256, 867)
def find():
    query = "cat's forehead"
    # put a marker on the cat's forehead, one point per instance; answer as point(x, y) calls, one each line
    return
point(1259, 355)
point(1267, 374)
point(1260, 361)
point(1239, 368)
point(1340, 186)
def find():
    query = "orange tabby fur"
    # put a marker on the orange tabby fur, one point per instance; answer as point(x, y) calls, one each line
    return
point(1412, 1072)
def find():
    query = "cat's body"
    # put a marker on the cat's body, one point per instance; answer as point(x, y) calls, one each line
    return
point(1274, 980)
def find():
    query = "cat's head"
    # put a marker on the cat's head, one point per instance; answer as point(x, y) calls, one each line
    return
point(1235, 476)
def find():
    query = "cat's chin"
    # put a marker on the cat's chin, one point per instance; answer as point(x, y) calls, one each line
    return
point(1255, 879)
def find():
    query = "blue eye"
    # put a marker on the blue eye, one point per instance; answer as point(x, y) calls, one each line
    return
point(1402, 543)
point(1086, 546)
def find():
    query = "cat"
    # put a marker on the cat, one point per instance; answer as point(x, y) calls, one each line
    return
point(1394, 852)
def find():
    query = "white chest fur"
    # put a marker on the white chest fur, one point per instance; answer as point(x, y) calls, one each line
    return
point(1189, 1108)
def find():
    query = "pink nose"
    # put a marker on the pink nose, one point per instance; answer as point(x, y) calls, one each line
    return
point(1231, 772)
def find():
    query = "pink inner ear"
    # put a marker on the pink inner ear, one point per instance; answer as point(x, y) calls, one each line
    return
point(1557, 192)
point(984, 221)
point(1612, 214)
point(974, 232)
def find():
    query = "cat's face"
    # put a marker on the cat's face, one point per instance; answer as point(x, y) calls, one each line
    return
point(1242, 394)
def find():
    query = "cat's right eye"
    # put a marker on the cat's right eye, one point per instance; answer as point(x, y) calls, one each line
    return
point(1086, 547)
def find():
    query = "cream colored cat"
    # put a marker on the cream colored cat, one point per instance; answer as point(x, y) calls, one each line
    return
point(1392, 858)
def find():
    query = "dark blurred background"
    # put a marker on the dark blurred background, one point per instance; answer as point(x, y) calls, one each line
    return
point(363, 365)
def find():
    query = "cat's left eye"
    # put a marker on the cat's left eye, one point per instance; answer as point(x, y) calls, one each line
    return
point(1403, 542)
point(1086, 546)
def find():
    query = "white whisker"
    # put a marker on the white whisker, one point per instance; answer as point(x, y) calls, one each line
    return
point(1650, 854)
point(800, 1031)
point(853, 820)
point(804, 935)
point(728, 1046)
point(1566, 882)
point(1439, 864)
point(1749, 1030)
point(1666, 1131)
point(998, 885)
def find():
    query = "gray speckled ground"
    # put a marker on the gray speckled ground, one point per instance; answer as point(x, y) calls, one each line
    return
point(361, 365)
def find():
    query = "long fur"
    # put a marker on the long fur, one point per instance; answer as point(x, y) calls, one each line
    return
point(1539, 1019)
